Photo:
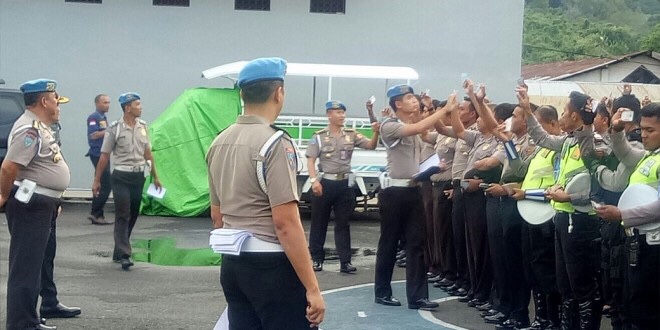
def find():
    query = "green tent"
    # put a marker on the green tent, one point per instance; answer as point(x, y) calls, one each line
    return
point(180, 137)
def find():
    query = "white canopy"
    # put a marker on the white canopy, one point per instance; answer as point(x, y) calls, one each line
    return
point(323, 70)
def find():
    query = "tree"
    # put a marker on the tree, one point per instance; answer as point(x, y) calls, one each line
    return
point(652, 40)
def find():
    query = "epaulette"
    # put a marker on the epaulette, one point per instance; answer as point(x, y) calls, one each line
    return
point(36, 124)
point(325, 130)
point(349, 130)
point(142, 122)
point(114, 123)
point(281, 129)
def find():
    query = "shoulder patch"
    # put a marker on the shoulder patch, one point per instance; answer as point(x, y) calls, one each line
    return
point(114, 123)
point(349, 130)
point(321, 131)
point(142, 122)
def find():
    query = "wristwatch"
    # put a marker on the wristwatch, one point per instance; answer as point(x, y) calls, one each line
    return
point(312, 180)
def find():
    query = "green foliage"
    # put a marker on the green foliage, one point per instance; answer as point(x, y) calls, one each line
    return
point(557, 30)
point(652, 40)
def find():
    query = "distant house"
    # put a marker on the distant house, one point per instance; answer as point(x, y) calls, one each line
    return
point(641, 67)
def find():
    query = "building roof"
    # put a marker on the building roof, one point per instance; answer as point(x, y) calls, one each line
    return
point(564, 69)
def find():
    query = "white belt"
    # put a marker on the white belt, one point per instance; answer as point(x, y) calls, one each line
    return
point(335, 177)
point(253, 244)
point(44, 191)
point(400, 183)
point(127, 168)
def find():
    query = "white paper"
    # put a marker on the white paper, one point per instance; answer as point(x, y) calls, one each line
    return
point(223, 321)
point(228, 241)
point(155, 192)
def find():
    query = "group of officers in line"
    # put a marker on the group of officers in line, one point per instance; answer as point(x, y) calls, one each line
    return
point(33, 177)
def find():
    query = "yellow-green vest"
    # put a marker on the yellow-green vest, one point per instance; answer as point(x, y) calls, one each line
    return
point(540, 174)
point(570, 165)
point(646, 171)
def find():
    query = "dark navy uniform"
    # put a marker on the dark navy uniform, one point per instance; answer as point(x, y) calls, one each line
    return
point(97, 122)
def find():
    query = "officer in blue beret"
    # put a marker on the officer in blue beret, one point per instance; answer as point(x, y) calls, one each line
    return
point(270, 212)
point(97, 123)
point(400, 200)
point(33, 176)
point(128, 141)
point(332, 184)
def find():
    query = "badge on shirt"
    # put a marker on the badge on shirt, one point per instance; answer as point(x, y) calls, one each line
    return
point(30, 137)
point(347, 138)
point(486, 146)
point(343, 154)
point(291, 158)
point(143, 131)
point(92, 122)
point(103, 124)
point(576, 154)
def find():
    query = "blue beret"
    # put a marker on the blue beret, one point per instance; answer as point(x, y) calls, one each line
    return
point(397, 90)
point(38, 86)
point(262, 69)
point(128, 97)
point(333, 105)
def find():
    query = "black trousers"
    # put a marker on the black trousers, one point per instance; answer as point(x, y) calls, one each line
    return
point(48, 291)
point(401, 211)
point(30, 229)
point(502, 294)
point(337, 196)
point(442, 221)
point(641, 287)
point(578, 256)
point(519, 288)
point(431, 251)
point(479, 264)
point(538, 247)
point(459, 235)
point(613, 266)
point(263, 292)
point(127, 194)
point(98, 202)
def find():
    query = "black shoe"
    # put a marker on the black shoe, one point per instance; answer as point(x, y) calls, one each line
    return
point(435, 279)
point(541, 324)
point(424, 304)
point(126, 263)
point(511, 324)
point(461, 293)
point(45, 327)
point(59, 311)
point(449, 289)
point(464, 298)
point(317, 266)
point(346, 267)
point(475, 302)
point(485, 307)
point(495, 319)
point(42, 320)
point(387, 301)
point(446, 282)
point(489, 312)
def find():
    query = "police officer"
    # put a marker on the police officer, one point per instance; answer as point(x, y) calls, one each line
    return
point(252, 168)
point(577, 234)
point(128, 141)
point(96, 125)
point(32, 179)
point(332, 185)
point(400, 200)
point(641, 289)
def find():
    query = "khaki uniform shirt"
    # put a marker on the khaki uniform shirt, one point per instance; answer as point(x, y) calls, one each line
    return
point(335, 152)
point(482, 147)
point(34, 147)
point(403, 158)
point(526, 149)
point(445, 147)
point(461, 155)
point(233, 184)
point(126, 144)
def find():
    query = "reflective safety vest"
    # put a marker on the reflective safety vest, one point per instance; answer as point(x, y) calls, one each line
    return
point(646, 171)
point(570, 165)
point(540, 174)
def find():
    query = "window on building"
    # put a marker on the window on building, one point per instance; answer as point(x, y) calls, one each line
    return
point(178, 3)
point(252, 5)
point(327, 6)
point(85, 1)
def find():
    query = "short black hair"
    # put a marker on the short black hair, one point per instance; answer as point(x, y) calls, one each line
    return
point(97, 98)
point(504, 111)
point(602, 110)
point(31, 99)
point(651, 110)
point(628, 101)
point(439, 104)
point(547, 113)
point(577, 101)
point(260, 91)
point(393, 101)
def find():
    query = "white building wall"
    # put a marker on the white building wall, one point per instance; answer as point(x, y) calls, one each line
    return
point(131, 45)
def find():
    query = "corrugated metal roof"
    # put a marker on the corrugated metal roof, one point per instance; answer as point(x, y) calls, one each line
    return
point(565, 69)
point(556, 92)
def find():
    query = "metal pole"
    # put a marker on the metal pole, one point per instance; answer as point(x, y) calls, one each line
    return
point(329, 88)
point(314, 97)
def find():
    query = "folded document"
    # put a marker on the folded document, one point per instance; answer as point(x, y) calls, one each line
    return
point(228, 241)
